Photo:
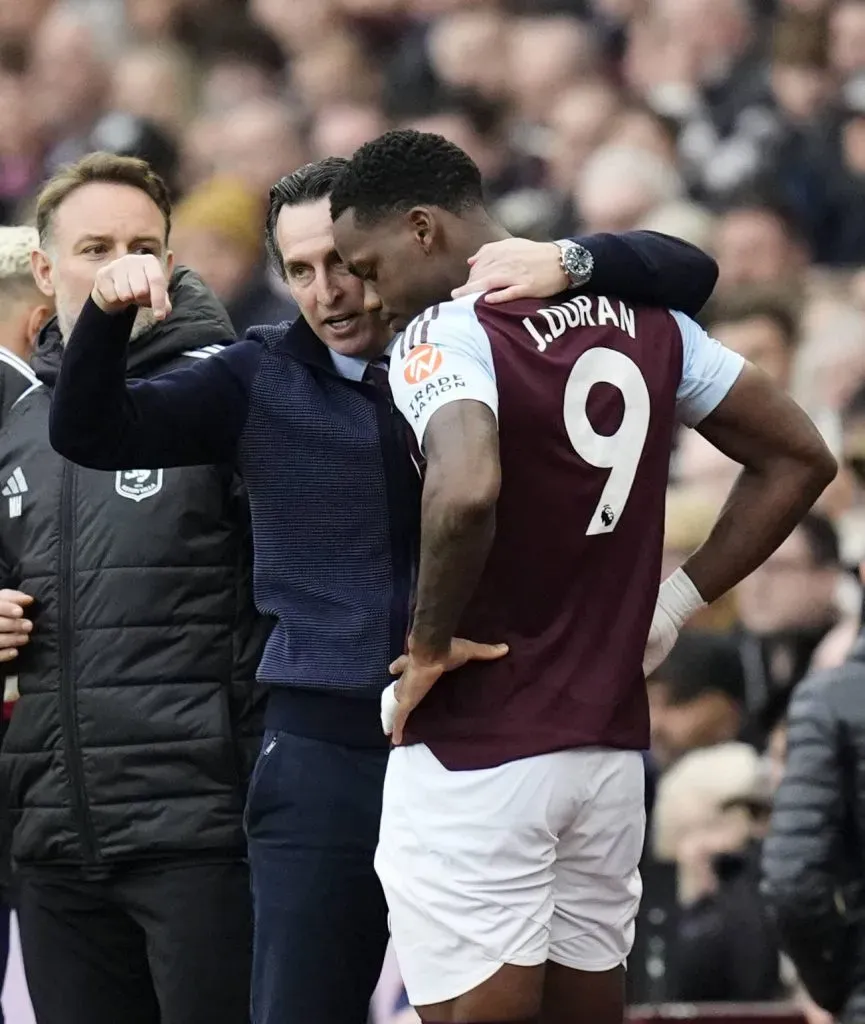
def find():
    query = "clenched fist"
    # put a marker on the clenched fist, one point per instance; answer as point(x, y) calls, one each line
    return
point(138, 280)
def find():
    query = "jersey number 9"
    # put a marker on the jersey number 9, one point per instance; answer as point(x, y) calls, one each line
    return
point(619, 452)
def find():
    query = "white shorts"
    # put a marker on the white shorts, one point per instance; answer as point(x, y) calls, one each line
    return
point(532, 861)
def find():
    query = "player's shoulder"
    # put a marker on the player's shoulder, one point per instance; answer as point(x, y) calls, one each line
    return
point(448, 324)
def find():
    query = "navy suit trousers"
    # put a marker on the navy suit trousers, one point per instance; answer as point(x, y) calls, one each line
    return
point(320, 915)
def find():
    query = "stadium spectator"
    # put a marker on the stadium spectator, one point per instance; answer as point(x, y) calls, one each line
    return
point(219, 230)
point(696, 697)
point(709, 815)
point(786, 607)
point(757, 243)
point(762, 327)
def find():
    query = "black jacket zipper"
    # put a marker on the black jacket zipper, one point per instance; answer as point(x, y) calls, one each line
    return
point(68, 697)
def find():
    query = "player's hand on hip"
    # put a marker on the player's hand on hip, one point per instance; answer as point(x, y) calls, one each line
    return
point(418, 676)
point(133, 280)
point(461, 652)
point(515, 268)
point(15, 627)
point(409, 690)
point(663, 635)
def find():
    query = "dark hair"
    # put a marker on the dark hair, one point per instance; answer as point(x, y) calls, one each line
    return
point(752, 304)
point(237, 40)
point(763, 197)
point(405, 168)
point(700, 664)
point(308, 184)
point(822, 540)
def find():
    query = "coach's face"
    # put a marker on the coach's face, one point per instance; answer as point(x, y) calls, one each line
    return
point(403, 258)
point(96, 224)
point(335, 304)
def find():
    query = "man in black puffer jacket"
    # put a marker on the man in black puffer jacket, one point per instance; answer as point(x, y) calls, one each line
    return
point(127, 758)
point(814, 856)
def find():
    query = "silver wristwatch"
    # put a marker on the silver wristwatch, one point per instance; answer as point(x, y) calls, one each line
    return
point(577, 262)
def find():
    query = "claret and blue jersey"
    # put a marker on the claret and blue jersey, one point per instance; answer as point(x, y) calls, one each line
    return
point(332, 488)
point(587, 391)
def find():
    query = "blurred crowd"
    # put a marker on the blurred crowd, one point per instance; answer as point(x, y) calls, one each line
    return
point(737, 126)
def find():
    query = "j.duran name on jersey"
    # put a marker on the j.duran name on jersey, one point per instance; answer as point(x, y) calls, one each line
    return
point(432, 389)
point(581, 311)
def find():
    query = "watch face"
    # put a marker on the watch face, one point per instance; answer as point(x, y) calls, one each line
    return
point(578, 263)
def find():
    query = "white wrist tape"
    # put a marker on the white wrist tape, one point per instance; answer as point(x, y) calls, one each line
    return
point(389, 707)
point(679, 598)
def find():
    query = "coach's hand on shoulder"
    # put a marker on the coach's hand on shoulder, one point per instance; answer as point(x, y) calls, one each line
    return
point(15, 627)
point(515, 268)
point(418, 675)
point(132, 279)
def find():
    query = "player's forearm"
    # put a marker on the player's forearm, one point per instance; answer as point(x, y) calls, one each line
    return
point(763, 508)
point(457, 532)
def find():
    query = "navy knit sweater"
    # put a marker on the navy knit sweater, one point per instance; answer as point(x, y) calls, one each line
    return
point(333, 492)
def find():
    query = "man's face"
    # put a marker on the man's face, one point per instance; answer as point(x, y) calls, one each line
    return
point(335, 303)
point(400, 260)
point(753, 248)
point(93, 226)
point(677, 728)
point(788, 591)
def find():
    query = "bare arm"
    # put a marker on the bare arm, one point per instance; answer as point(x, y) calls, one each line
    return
point(785, 467)
point(458, 519)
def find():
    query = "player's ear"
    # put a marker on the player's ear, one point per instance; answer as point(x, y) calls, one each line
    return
point(423, 225)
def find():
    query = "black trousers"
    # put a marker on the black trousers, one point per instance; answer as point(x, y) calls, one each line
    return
point(167, 944)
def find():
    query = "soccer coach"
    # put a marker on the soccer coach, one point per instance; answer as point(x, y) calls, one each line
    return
point(300, 409)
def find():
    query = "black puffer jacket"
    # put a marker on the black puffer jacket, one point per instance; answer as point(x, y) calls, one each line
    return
point(138, 719)
point(814, 857)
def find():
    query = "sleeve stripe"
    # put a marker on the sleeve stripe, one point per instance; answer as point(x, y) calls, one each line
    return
point(424, 331)
point(203, 353)
point(417, 331)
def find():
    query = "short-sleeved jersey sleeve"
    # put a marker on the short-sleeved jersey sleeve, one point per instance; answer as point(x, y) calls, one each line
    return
point(443, 356)
point(709, 371)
